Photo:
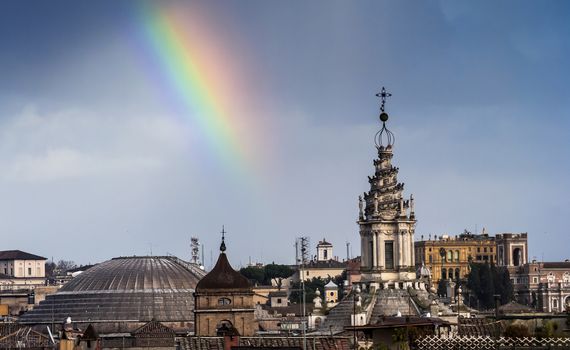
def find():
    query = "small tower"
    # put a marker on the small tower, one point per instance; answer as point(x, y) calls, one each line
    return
point(331, 294)
point(223, 301)
point(324, 251)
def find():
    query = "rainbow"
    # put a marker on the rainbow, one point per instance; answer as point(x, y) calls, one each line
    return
point(200, 81)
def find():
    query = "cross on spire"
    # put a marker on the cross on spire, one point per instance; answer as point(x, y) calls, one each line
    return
point(223, 245)
point(383, 95)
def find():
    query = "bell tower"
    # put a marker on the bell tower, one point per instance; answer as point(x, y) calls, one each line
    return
point(386, 220)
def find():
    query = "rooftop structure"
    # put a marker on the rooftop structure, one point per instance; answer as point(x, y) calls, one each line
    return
point(124, 293)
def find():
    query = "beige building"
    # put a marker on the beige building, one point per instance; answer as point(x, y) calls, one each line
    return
point(449, 257)
point(21, 270)
point(224, 301)
point(325, 265)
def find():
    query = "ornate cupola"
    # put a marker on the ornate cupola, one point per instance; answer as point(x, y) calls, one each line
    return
point(386, 218)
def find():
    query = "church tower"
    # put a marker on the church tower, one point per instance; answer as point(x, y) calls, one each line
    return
point(387, 221)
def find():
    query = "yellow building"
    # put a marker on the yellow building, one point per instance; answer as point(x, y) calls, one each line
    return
point(448, 257)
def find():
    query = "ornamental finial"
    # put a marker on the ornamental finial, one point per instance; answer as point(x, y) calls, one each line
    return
point(223, 245)
point(384, 137)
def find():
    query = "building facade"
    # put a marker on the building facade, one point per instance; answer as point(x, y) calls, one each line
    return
point(21, 270)
point(449, 257)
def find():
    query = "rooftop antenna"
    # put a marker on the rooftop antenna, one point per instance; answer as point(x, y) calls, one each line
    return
point(195, 250)
point(347, 251)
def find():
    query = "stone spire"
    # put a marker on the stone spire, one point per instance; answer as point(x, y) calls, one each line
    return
point(387, 222)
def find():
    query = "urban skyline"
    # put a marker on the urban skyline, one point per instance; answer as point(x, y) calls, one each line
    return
point(262, 118)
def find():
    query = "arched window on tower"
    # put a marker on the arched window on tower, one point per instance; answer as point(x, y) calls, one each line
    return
point(449, 255)
point(517, 257)
point(456, 255)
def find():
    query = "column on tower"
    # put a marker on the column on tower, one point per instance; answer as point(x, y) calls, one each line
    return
point(380, 249)
point(364, 250)
point(374, 251)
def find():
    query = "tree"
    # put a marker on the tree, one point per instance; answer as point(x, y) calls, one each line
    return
point(50, 269)
point(276, 273)
point(65, 265)
point(487, 291)
point(485, 281)
point(311, 287)
point(253, 273)
point(442, 288)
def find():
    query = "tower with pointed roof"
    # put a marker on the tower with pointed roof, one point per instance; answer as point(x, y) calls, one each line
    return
point(386, 219)
point(223, 300)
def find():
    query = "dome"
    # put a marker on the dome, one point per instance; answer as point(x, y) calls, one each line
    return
point(124, 290)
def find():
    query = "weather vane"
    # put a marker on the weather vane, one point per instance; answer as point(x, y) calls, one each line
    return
point(383, 96)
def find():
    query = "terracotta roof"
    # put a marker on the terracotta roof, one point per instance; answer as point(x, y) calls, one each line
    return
point(557, 265)
point(223, 276)
point(19, 255)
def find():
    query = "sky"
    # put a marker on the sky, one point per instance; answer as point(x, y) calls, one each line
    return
point(127, 127)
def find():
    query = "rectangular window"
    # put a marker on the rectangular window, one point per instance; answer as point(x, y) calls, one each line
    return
point(485, 250)
point(478, 250)
point(535, 280)
point(389, 254)
point(29, 271)
point(430, 259)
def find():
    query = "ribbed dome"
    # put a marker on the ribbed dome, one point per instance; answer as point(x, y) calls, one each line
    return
point(133, 274)
point(127, 290)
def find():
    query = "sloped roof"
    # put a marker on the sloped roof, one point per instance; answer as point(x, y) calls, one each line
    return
point(557, 265)
point(331, 284)
point(324, 243)
point(223, 277)
point(19, 255)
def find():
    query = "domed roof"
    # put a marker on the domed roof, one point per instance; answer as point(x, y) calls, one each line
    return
point(133, 274)
point(126, 289)
point(223, 277)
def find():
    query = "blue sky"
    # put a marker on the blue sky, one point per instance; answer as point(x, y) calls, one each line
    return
point(94, 166)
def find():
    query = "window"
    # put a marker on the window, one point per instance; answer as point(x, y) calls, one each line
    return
point(449, 256)
point(478, 258)
point(444, 274)
point(430, 259)
point(535, 280)
point(389, 254)
point(332, 294)
point(456, 255)
point(555, 304)
point(478, 250)
point(279, 301)
point(485, 250)
point(325, 253)
point(491, 249)
point(224, 301)
point(29, 271)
